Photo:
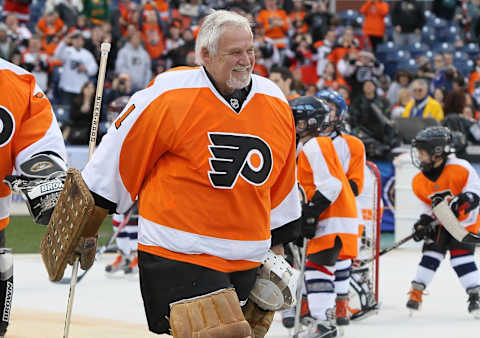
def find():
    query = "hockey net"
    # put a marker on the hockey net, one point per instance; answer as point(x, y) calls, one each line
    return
point(365, 269)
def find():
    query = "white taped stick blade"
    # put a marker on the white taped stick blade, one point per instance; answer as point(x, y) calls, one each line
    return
point(448, 219)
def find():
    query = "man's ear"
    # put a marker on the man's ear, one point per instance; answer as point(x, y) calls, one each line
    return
point(205, 54)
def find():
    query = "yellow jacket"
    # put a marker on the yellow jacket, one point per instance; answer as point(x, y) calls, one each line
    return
point(432, 109)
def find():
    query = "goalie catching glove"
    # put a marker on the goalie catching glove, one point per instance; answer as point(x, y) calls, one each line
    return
point(40, 181)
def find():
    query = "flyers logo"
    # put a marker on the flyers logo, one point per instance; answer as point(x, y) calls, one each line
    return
point(442, 194)
point(7, 126)
point(236, 155)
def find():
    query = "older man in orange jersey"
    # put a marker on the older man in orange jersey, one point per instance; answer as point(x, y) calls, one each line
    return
point(210, 153)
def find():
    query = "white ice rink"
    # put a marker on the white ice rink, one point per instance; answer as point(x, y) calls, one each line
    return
point(444, 313)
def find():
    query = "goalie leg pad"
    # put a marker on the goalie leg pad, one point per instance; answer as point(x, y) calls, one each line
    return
point(259, 320)
point(215, 315)
point(6, 287)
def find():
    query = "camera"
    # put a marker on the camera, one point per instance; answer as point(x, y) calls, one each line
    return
point(122, 82)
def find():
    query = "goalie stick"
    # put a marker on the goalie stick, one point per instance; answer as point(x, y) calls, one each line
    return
point(105, 49)
point(101, 250)
point(444, 214)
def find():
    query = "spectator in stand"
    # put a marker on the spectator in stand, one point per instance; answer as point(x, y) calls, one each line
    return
point(324, 48)
point(454, 102)
point(444, 9)
point(276, 24)
point(121, 86)
point(474, 78)
point(330, 79)
point(78, 132)
point(439, 95)
point(375, 12)
point(297, 18)
point(345, 92)
point(181, 53)
point(7, 46)
point(68, 10)
point(150, 24)
point(134, 60)
point(19, 8)
point(370, 121)
point(173, 41)
point(283, 78)
point(36, 61)
point(359, 67)
point(318, 19)
point(19, 32)
point(97, 11)
point(266, 47)
point(98, 35)
point(346, 43)
point(466, 14)
point(51, 28)
point(121, 16)
point(408, 19)
point(404, 96)
point(78, 66)
point(444, 78)
point(83, 25)
point(422, 104)
point(425, 70)
point(403, 78)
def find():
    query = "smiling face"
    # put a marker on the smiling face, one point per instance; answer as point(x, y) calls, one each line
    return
point(232, 66)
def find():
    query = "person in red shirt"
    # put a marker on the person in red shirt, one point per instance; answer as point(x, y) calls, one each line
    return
point(275, 22)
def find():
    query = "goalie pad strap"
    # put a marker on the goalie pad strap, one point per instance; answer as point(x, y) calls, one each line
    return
point(73, 210)
point(259, 320)
point(215, 315)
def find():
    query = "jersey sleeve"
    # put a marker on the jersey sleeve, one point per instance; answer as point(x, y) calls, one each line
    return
point(128, 152)
point(356, 170)
point(314, 173)
point(472, 184)
point(284, 192)
point(39, 131)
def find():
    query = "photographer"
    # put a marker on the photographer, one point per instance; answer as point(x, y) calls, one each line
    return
point(359, 67)
point(78, 66)
point(121, 86)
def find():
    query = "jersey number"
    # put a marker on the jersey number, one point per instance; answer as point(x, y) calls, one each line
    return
point(7, 126)
point(119, 121)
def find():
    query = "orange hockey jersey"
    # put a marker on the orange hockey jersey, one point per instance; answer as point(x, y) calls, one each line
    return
point(27, 126)
point(211, 183)
point(319, 168)
point(458, 176)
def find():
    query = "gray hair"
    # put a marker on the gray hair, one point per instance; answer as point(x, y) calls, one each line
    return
point(421, 82)
point(213, 27)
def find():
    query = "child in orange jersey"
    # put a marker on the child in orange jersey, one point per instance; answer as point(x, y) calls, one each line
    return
point(444, 175)
point(330, 216)
point(351, 152)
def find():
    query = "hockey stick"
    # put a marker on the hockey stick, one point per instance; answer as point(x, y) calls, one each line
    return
point(444, 214)
point(384, 251)
point(105, 49)
point(101, 250)
point(298, 308)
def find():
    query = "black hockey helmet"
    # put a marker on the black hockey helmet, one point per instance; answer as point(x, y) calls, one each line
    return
point(436, 141)
point(311, 115)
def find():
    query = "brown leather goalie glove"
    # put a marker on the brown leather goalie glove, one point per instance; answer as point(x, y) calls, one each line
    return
point(86, 249)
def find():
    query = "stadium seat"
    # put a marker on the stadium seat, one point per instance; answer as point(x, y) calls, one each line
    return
point(448, 34)
point(408, 127)
point(472, 49)
point(417, 49)
point(465, 67)
point(62, 113)
point(409, 64)
point(383, 49)
point(459, 55)
point(443, 47)
point(349, 17)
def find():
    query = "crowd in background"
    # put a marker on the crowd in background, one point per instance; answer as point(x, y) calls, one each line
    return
point(391, 60)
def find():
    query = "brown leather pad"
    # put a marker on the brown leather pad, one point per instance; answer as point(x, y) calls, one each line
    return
point(74, 208)
point(216, 315)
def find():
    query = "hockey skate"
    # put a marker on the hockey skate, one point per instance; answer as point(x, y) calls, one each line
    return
point(325, 329)
point(415, 301)
point(132, 267)
point(120, 263)
point(474, 301)
point(341, 310)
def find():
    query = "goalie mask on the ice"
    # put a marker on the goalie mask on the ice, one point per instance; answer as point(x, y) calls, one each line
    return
point(276, 284)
